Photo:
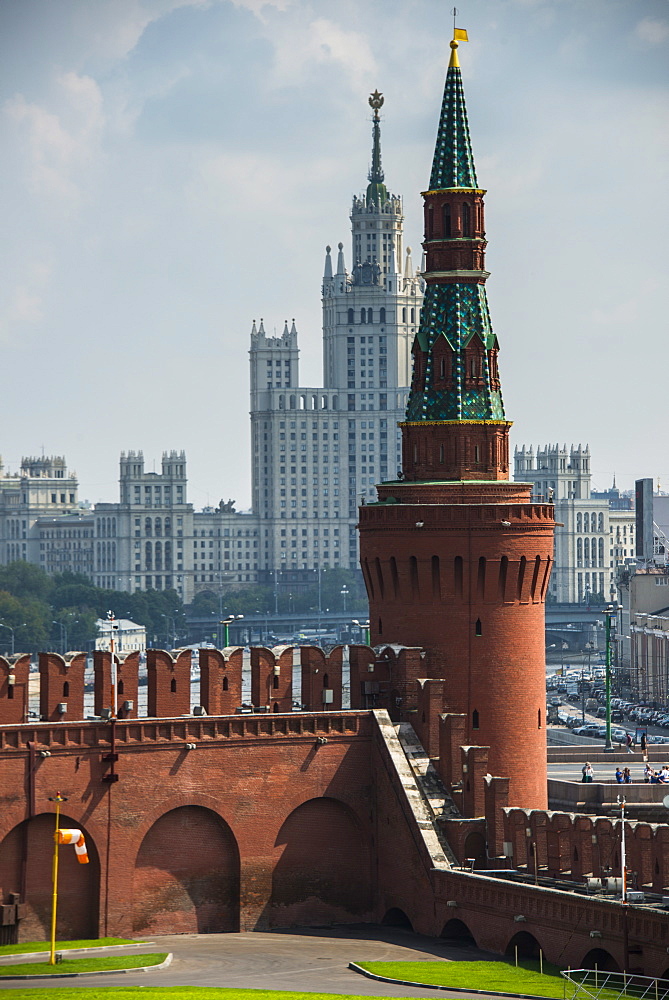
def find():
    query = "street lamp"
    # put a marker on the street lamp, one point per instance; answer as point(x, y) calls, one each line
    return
point(226, 623)
point(63, 633)
point(588, 647)
point(609, 614)
point(344, 593)
point(12, 629)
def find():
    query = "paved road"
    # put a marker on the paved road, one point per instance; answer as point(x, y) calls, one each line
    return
point(604, 771)
point(312, 960)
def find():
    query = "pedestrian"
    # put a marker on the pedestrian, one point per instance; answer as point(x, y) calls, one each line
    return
point(630, 743)
point(647, 772)
point(627, 777)
point(619, 775)
point(644, 744)
point(587, 772)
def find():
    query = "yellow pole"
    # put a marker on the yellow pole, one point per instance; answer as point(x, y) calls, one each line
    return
point(54, 880)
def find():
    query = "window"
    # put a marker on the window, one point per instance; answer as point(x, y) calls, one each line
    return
point(466, 220)
point(446, 216)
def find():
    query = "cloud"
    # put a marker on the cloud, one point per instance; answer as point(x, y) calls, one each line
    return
point(58, 143)
point(24, 303)
point(652, 31)
point(300, 52)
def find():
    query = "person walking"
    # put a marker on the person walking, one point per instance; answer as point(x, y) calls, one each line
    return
point(644, 744)
point(630, 743)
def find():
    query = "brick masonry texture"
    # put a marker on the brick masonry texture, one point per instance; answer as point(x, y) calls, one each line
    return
point(272, 821)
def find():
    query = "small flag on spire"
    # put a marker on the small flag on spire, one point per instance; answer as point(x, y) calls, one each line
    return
point(75, 837)
point(460, 34)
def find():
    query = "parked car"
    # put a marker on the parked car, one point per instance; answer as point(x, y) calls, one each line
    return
point(590, 729)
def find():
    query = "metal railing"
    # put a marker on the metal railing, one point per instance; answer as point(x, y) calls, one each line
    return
point(595, 984)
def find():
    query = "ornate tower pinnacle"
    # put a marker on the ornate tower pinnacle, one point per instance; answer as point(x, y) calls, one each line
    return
point(376, 189)
point(456, 427)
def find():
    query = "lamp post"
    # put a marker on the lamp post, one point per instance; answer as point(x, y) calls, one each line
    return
point(344, 594)
point(226, 623)
point(63, 633)
point(588, 647)
point(57, 798)
point(609, 614)
point(12, 629)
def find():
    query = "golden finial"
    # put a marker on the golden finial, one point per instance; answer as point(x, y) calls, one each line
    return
point(376, 102)
point(459, 35)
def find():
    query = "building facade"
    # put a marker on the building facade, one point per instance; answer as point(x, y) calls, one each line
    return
point(593, 534)
point(41, 519)
point(318, 450)
point(150, 539)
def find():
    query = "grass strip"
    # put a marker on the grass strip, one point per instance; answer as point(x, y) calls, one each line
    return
point(17, 949)
point(496, 977)
point(83, 965)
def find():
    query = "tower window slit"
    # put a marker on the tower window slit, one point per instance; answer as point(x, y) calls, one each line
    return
point(503, 571)
point(394, 577)
point(478, 628)
point(436, 578)
point(379, 576)
point(413, 574)
point(475, 719)
point(458, 575)
point(521, 577)
point(480, 581)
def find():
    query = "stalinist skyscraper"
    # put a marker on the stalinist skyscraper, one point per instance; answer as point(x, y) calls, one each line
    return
point(318, 451)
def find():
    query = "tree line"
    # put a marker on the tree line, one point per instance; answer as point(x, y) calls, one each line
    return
point(40, 612)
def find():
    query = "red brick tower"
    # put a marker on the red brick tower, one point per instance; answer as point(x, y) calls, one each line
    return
point(456, 558)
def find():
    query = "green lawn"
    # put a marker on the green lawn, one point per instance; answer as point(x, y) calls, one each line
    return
point(82, 965)
point(499, 977)
point(17, 949)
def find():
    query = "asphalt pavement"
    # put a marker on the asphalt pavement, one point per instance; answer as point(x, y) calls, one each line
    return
point(314, 961)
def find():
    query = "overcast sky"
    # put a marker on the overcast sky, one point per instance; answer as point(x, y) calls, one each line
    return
point(173, 169)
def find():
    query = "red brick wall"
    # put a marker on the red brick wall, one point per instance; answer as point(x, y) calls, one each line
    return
point(61, 682)
point(322, 866)
point(26, 854)
point(14, 696)
point(168, 683)
point(186, 877)
point(127, 682)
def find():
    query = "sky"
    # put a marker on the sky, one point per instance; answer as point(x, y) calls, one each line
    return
point(173, 170)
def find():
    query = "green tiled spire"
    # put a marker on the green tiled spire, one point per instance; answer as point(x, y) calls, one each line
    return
point(455, 305)
point(453, 163)
point(459, 313)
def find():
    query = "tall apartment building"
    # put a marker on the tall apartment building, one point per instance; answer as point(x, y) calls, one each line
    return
point(318, 451)
point(592, 537)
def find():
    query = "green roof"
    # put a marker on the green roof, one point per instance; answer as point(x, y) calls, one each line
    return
point(459, 313)
point(453, 163)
